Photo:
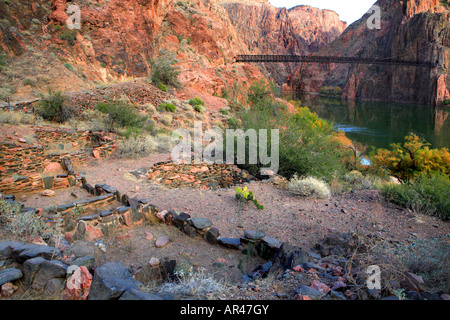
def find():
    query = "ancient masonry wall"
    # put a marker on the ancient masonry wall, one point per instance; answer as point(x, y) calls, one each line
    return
point(25, 168)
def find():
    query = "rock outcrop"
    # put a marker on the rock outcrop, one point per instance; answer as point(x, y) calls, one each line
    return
point(411, 30)
point(118, 39)
point(265, 29)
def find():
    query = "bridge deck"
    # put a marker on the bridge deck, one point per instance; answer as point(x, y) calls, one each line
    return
point(329, 59)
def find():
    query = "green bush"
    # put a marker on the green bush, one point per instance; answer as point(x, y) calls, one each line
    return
point(428, 194)
point(331, 91)
point(306, 145)
point(53, 107)
point(23, 225)
point(167, 107)
point(412, 158)
point(162, 87)
point(164, 71)
point(68, 66)
point(122, 115)
point(3, 61)
point(196, 102)
point(69, 36)
point(260, 92)
point(429, 259)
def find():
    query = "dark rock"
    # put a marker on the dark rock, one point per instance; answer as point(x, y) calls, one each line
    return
point(29, 251)
point(180, 220)
point(212, 235)
point(10, 275)
point(49, 270)
point(135, 294)
point(270, 247)
point(89, 217)
point(414, 295)
point(110, 281)
point(254, 235)
point(289, 256)
point(30, 269)
point(54, 287)
point(7, 247)
point(87, 261)
point(106, 213)
point(109, 189)
point(310, 292)
point(231, 243)
point(190, 230)
point(200, 223)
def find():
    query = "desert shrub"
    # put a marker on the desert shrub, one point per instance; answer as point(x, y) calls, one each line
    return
point(166, 119)
point(137, 146)
point(309, 187)
point(430, 259)
point(17, 117)
point(196, 102)
point(412, 158)
point(68, 66)
point(29, 82)
point(69, 36)
point(3, 61)
point(6, 92)
point(164, 71)
point(194, 283)
point(306, 144)
point(259, 92)
point(428, 194)
point(162, 87)
point(331, 91)
point(23, 224)
point(53, 107)
point(167, 107)
point(149, 108)
point(122, 115)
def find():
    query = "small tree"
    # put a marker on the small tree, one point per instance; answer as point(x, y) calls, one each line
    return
point(413, 158)
point(53, 108)
point(164, 71)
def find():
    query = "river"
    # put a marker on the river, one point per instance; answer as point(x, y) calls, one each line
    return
point(380, 124)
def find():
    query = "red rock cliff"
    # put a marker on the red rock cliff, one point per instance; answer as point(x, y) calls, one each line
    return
point(410, 30)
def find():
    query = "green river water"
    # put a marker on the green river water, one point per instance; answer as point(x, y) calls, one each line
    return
point(380, 124)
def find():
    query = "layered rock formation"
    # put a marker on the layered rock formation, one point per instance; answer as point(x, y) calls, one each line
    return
point(416, 30)
point(265, 29)
point(118, 38)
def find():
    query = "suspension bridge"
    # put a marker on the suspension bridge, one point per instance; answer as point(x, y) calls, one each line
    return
point(331, 59)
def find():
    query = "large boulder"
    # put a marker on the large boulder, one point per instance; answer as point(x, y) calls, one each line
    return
point(9, 275)
point(29, 251)
point(110, 281)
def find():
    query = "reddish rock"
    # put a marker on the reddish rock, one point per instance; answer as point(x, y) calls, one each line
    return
point(96, 153)
point(322, 287)
point(162, 241)
point(93, 233)
point(8, 289)
point(53, 166)
point(78, 285)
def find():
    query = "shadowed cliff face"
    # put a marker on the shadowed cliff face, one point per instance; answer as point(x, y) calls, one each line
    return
point(410, 30)
point(118, 38)
point(265, 29)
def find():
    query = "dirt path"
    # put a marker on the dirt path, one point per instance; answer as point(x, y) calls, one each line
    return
point(298, 221)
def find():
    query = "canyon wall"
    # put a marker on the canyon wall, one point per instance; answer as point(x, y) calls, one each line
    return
point(417, 30)
point(119, 38)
